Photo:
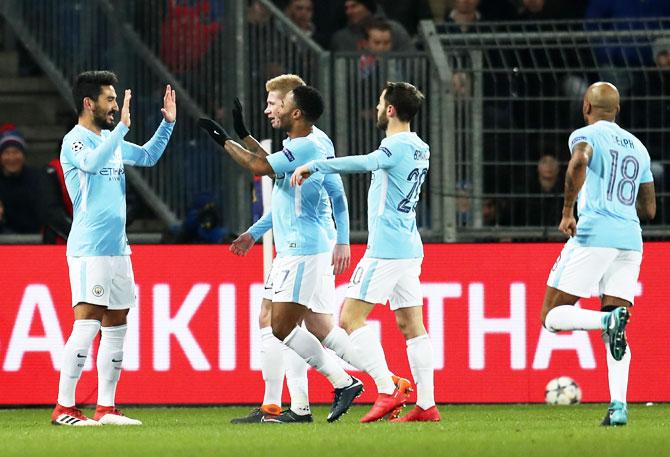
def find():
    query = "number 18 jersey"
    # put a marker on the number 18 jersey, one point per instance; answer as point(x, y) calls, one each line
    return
point(606, 202)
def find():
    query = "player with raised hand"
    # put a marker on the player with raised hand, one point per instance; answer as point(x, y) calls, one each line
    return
point(609, 177)
point(391, 266)
point(93, 156)
point(301, 239)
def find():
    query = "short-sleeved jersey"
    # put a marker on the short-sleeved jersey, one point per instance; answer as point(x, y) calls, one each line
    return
point(93, 166)
point(606, 202)
point(297, 220)
point(332, 180)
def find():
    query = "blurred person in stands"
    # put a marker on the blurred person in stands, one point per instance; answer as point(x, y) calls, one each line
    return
point(359, 14)
point(301, 12)
point(378, 40)
point(22, 209)
point(463, 14)
point(544, 209)
point(57, 205)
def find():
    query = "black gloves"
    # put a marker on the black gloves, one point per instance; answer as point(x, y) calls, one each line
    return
point(215, 130)
point(238, 120)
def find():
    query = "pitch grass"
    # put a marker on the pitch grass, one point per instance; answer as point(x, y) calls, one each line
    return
point(465, 430)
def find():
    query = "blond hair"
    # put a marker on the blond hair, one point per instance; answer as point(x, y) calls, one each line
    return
point(284, 84)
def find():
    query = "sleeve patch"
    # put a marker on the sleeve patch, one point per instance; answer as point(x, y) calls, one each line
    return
point(289, 155)
point(77, 146)
point(578, 139)
point(386, 151)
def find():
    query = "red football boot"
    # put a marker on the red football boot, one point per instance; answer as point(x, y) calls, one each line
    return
point(385, 405)
point(419, 414)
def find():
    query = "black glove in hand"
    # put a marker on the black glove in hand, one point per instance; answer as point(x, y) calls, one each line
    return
point(215, 130)
point(238, 120)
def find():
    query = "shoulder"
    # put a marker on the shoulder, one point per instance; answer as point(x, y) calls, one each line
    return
point(582, 135)
point(74, 140)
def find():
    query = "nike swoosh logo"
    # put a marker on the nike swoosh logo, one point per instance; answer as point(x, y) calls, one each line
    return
point(81, 356)
point(117, 361)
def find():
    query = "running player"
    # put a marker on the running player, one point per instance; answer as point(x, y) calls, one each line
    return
point(301, 240)
point(93, 156)
point(609, 177)
point(391, 266)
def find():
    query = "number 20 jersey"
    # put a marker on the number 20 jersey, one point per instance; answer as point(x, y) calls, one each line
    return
point(394, 195)
point(606, 202)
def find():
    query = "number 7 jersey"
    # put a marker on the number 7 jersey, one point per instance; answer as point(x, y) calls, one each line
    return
point(394, 193)
point(606, 202)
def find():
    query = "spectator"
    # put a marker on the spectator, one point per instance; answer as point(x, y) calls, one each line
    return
point(19, 185)
point(301, 13)
point(544, 207)
point(359, 15)
point(203, 222)
point(57, 205)
point(407, 12)
point(463, 15)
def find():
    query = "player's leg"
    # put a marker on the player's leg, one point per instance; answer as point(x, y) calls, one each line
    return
point(110, 352)
point(575, 274)
point(618, 291)
point(89, 282)
point(407, 304)
point(272, 362)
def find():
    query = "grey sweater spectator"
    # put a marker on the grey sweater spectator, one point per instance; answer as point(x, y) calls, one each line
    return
point(359, 15)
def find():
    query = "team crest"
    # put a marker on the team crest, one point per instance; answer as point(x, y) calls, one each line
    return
point(77, 146)
point(98, 291)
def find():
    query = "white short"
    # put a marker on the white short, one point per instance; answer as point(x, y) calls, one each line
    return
point(395, 280)
point(582, 270)
point(102, 280)
point(307, 280)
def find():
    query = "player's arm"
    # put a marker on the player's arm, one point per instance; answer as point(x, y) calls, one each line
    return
point(342, 251)
point(243, 243)
point(148, 154)
point(243, 132)
point(381, 158)
point(574, 180)
point(256, 163)
point(91, 160)
point(646, 201)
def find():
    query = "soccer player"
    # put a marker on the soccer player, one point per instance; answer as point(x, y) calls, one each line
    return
point(610, 179)
point(301, 240)
point(392, 263)
point(93, 156)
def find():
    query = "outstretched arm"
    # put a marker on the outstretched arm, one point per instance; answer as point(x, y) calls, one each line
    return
point(574, 180)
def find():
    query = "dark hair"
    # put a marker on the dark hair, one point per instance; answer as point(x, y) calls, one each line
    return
point(89, 84)
point(309, 101)
point(378, 24)
point(405, 98)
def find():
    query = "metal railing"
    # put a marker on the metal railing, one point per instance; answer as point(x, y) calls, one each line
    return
point(516, 89)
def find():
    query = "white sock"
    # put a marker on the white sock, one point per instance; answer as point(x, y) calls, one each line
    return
point(617, 374)
point(110, 357)
point(341, 344)
point(272, 367)
point(75, 353)
point(370, 355)
point(310, 349)
point(420, 355)
point(296, 380)
point(567, 317)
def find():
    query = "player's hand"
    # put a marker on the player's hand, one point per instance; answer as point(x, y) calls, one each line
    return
point(300, 175)
point(125, 109)
point(341, 258)
point(568, 225)
point(214, 130)
point(169, 109)
point(241, 245)
point(238, 119)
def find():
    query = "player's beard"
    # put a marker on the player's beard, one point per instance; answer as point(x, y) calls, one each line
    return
point(100, 119)
point(382, 121)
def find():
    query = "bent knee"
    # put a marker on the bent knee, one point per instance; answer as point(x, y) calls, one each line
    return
point(281, 331)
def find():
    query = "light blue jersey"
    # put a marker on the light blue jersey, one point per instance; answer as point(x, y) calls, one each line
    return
point(399, 168)
point(297, 212)
point(93, 166)
point(334, 188)
point(606, 202)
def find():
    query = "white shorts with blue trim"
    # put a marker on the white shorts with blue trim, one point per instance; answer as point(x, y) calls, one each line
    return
point(102, 280)
point(303, 279)
point(586, 271)
point(382, 280)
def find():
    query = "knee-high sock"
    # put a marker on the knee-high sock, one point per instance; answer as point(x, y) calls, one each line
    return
point(296, 380)
point(272, 367)
point(420, 355)
point(370, 355)
point(617, 374)
point(341, 344)
point(310, 349)
point(74, 357)
point(110, 358)
point(566, 317)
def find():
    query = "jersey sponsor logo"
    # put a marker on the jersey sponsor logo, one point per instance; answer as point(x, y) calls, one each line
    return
point(77, 146)
point(98, 291)
point(578, 139)
point(386, 151)
point(111, 171)
point(289, 155)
